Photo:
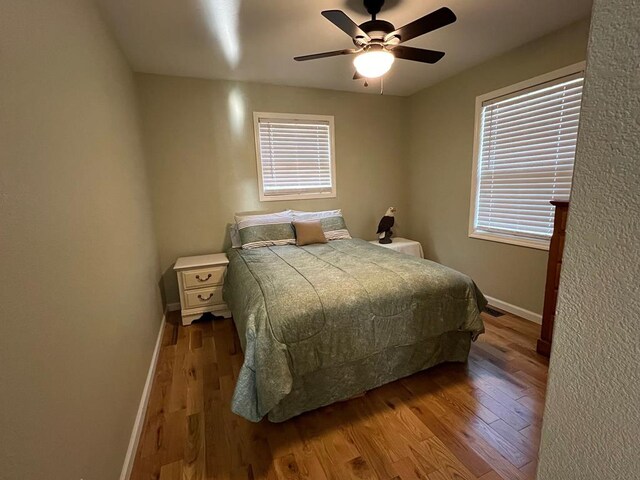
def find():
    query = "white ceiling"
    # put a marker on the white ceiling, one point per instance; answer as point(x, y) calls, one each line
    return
point(256, 40)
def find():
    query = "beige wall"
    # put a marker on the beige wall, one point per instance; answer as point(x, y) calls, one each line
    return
point(202, 162)
point(79, 308)
point(592, 415)
point(441, 123)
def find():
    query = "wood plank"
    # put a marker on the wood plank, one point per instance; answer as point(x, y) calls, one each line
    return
point(177, 397)
point(507, 400)
point(474, 390)
point(369, 439)
point(195, 339)
point(316, 444)
point(449, 465)
point(530, 469)
point(287, 468)
point(150, 440)
point(408, 470)
point(479, 433)
point(501, 378)
point(505, 412)
point(223, 341)
point(194, 373)
point(174, 434)
point(461, 401)
point(399, 427)
point(358, 468)
point(492, 475)
point(219, 452)
point(533, 434)
point(285, 440)
point(515, 438)
point(146, 468)
point(171, 471)
point(194, 455)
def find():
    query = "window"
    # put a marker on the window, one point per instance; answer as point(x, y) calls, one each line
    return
point(295, 156)
point(523, 157)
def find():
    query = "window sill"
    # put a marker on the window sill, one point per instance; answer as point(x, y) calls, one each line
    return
point(512, 240)
point(296, 196)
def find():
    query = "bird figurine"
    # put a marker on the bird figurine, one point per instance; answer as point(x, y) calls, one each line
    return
point(384, 227)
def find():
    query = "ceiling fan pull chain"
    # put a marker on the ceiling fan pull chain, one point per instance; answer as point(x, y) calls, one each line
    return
point(381, 85)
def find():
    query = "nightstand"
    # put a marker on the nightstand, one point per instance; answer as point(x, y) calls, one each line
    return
point(403, 245)
point(200, 280)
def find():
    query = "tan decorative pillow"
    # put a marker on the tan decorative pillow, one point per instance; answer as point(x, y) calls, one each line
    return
point(309, 232)
point(332, 222)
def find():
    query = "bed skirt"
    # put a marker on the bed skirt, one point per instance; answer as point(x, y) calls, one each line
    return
point(334, 384)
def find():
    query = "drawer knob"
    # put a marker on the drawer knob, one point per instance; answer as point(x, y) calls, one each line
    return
point(200, 279)
point(205, 299)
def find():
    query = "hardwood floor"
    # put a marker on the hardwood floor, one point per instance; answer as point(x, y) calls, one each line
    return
point(479, 420)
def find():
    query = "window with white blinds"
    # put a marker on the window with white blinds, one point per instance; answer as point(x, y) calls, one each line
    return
point(295, 156)
point(524, 159)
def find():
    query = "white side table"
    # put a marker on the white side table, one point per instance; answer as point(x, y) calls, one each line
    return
point(403, 245)
point(200, 280)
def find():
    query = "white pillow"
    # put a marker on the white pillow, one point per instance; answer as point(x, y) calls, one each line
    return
point(302, 215)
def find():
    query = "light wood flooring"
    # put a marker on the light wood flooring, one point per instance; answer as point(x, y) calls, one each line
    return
point(479, 420)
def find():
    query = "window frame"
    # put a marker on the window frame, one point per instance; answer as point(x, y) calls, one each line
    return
point(522, 241)
point(295, 117)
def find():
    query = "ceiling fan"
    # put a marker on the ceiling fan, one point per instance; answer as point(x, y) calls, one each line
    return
point(378, 41)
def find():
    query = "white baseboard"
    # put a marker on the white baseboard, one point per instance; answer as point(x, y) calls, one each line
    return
point(142, 408)
point(521, 312)
point(173, 307)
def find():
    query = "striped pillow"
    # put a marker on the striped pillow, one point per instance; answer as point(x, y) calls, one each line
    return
point(266, 230)
point(332, 222)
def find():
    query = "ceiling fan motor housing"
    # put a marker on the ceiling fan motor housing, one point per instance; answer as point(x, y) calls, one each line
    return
point(377, 30)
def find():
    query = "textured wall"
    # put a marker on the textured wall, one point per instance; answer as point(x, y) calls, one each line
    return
point(202, 160)
point(592, 418)
point(79, 303)
point(441, 125)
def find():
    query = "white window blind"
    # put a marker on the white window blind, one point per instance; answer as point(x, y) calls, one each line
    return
point(295, 156)
point(525, 158)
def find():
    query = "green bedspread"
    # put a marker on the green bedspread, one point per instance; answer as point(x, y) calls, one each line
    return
point(340, 318)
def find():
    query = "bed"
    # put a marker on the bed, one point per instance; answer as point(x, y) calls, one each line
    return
point(322, 323)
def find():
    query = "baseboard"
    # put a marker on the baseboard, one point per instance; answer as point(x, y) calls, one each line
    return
point(519, 311)
point(173, 307)
point(142, 408)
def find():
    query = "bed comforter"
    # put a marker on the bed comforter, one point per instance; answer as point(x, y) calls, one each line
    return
point(340, 316)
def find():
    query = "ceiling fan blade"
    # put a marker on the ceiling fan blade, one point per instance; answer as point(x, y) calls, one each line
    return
point(417, 54)
point(335, 53)
point(344, 23)
point(434, 20)
point(357, 76)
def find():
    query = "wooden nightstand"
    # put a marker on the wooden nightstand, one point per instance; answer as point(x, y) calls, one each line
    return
point(200, 280)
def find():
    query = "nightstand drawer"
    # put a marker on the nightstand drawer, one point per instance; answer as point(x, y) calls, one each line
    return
point(203, 297)
point(203, 277)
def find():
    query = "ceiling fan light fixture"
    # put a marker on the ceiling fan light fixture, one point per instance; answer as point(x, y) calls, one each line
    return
point(374, 63)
